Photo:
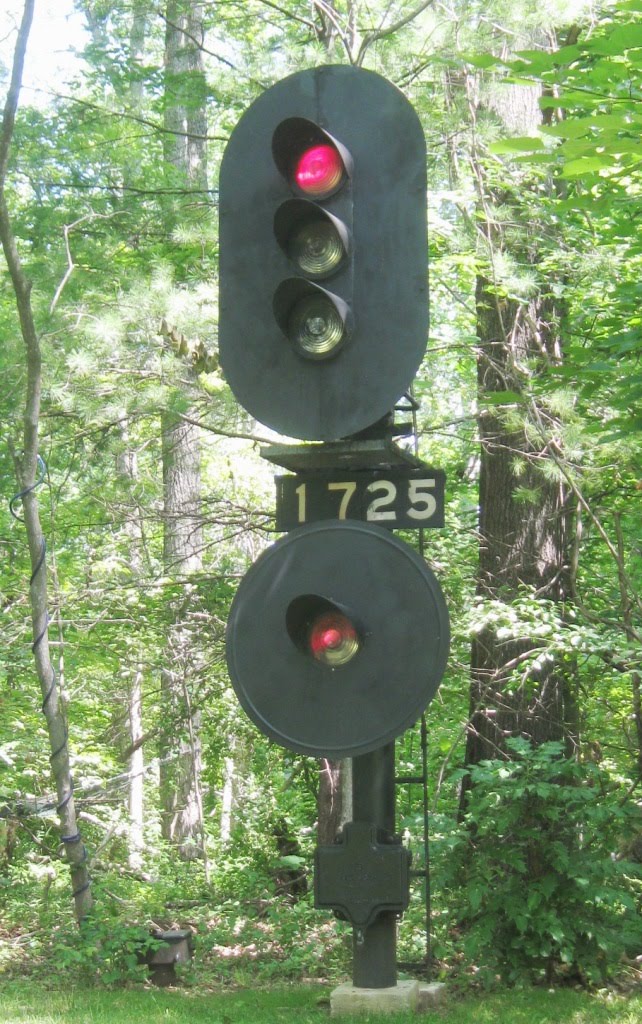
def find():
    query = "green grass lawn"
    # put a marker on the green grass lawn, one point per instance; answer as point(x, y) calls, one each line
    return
point(29, 1003)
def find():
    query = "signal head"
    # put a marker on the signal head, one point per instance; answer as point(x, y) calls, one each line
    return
point(323, 181)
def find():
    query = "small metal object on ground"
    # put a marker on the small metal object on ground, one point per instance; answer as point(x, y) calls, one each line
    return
point(176, 948)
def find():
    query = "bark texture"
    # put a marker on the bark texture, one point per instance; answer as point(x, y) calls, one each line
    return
point(524, 509)
point(181, 760)
point(334, 803)
point(523, 543)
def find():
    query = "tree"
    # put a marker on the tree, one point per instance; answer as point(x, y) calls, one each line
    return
point(185, 126)
point(30, 470)
point(517, 689)
point(585, 141)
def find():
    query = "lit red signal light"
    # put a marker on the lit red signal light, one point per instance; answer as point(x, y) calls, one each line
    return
point(319, 170)
point(333, 639)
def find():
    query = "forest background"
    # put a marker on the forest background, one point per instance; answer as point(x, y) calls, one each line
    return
point(135, 497)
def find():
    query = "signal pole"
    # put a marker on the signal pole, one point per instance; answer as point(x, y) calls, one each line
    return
point(374, 949)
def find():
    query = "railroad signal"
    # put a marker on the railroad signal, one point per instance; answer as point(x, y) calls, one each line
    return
point(337, 639)
point(323, 253)
point(338, 635)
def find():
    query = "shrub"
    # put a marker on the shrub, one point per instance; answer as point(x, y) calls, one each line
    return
point(539, 889)
point(106, 951)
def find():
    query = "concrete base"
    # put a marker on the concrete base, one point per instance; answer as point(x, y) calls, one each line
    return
point(346, 999)
point(431, 994)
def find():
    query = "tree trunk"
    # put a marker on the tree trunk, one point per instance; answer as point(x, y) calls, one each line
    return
point(523, 504)
point(228, 794)
point(334, 803)
point(27, 475)
point(128, 471)
point(185, 117)
point(523, 543)
point(235, 772)
point(180, 746)
point(185, 124)
point(633, 638)
point(132, 669)
point(136, 768)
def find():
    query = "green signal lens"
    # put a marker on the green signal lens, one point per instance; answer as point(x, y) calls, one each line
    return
point(317, 248)
point(316, 326)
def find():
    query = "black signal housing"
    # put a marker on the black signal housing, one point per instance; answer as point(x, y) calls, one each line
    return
point(343, 234)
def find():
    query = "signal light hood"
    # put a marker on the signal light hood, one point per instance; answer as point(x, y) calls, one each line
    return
point(323, 630)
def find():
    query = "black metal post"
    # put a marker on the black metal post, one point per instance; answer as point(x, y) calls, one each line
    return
point(427, 890)
point(374, 949)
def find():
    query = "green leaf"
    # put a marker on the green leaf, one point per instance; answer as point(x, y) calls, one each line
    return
point(570, 99)
point(502, 398)
point(481, 60)
point(291, 861)
point(475, 896)
point(585, 165)
point(570, 129)
point(525, 144)
point(621, 39)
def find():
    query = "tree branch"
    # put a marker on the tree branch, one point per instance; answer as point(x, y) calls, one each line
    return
point(147, 122)
point(11, 106)
point(327, 11)
point(381, 33)
point(289, 14)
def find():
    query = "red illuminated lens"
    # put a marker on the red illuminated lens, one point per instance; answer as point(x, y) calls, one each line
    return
point(319, 170)
point(333, 639)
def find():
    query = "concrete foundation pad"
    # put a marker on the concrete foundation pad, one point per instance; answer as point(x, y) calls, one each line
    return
point(346, 999)
point(431, 994)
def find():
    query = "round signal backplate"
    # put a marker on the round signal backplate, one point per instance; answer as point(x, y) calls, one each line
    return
point(398, 608)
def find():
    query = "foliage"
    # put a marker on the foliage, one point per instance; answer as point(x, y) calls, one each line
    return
point(105, 951)
point(591, 105)
point(245, 925)
point(542, 888)
point(236, 942)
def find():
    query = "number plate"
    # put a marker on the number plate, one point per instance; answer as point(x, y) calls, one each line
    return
point(399, 498)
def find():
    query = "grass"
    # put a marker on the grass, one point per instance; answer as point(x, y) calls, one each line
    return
point(29, 1003)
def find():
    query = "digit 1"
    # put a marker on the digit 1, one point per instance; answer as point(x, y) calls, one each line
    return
point(300, 492)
